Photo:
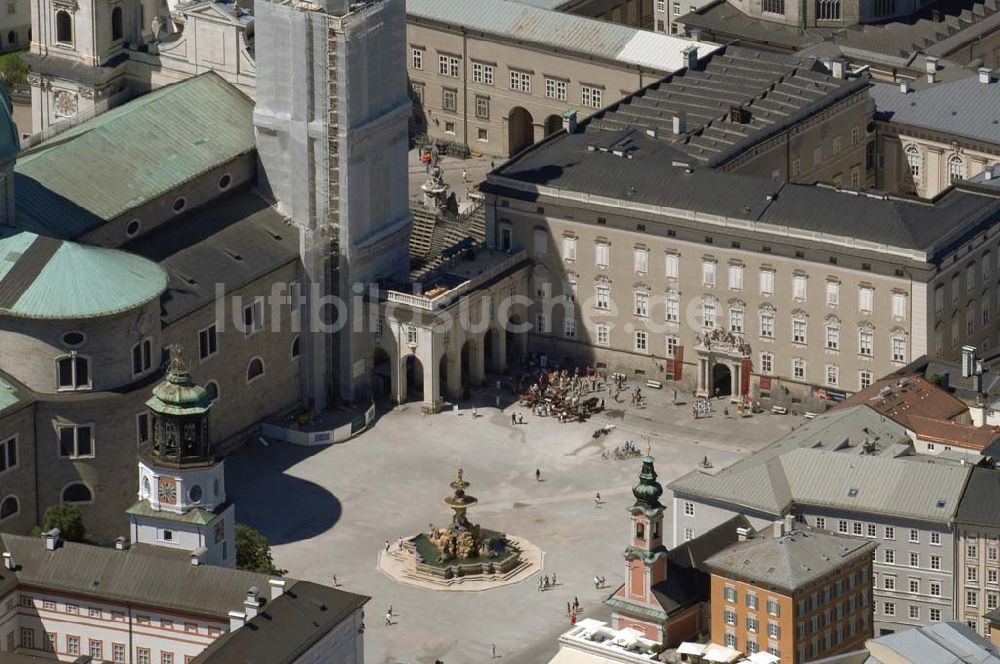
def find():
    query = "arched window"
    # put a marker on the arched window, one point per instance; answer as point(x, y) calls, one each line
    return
point(64, 27)
point(77, 493)
point(956, 168)
point(116, 24)
point(295, 349)
point(255, 369)
point(828, 10)
point(912, 160)
point(9, 507)
point(72, 372)
point(213, 390)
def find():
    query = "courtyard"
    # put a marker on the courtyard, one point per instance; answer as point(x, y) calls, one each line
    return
point(328, 511)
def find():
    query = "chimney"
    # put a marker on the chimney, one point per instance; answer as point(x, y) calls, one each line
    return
point(985, 75)
point(742, 534)
point(930, 64)
point(119, 544)
point(778, 528)
point(198, 556)
point(690, 57)
point(53, 540)
point(789, 523)
point(569, 122)
point(236, 620)
point(838, 68)
point(277, 588)
point(680, 123)
point(904, 86)
point(988, 173)
point(968, 361)
point(252, 602)
point(8, 561)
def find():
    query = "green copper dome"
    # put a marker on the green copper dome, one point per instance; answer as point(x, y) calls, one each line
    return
point(648, 491)
point(178, 394)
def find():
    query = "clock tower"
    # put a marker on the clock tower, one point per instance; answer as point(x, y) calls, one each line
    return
point(182, 490)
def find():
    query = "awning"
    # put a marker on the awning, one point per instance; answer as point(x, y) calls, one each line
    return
point(571, 656)
point(688, 648)
point(721, 654)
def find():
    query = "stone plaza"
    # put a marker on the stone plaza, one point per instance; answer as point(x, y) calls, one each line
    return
point(329, 511)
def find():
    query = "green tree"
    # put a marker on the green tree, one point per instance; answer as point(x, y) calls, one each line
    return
point(13, 70)
point(253, 552)
point(68, 519)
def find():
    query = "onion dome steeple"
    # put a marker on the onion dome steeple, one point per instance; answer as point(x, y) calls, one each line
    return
point(180, 417)
point(648, 491)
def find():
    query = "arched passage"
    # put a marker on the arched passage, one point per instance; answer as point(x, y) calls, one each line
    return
point(381, 373)
point(414, 371)
point(553, 123)
point(722, 380)
point(466, 358)
point(520, 130)
point(489, 340)
point(443, 377)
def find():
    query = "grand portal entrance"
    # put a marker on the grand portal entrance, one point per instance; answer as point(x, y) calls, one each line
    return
point(723, 365)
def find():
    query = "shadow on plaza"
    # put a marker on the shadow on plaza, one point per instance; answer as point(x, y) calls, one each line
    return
point(284, 508)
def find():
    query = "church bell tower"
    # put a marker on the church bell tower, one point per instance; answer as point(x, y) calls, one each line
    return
point(182, 490)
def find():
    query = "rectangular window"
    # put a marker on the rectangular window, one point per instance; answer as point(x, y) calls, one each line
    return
point(603, 297)
point(118, 653)
point(866, 343)
point(482, 73)
point(914, 536)
point(673, 309)
point(642, 304)
point(767, 325)
point(482, 107)
point(708, 273)
point(96, 649)
point(569, 248)
point(520, 81)
point(590, 96)
point(448, 65)
point(971, 598)
point(799, 287)
point(832, 375)
point(640, 260)
point(253, 317)
point(899, 305)
point(73, 645)
point(208, 342)
point(766, 282)
point(601, 253)
point(555, 89)
point(736, 320)
point(865, 379)
point(935, 615)
point(736, 277)
point(766, 363)
point(889, 555)
point(914, 559)
point(142, 356)
point(832, 293)
point(75, 441)
point(417, 58)
point(603, 334)
point(569, 328)
point(898, 349)
point(866, 299)
point(8, 454)
point(708, 316)
point(641, 341)
point(673, 266)
point(672, 346)
point(541, 324)
point(832, 337)
point(449, 99)
point(72, 372)
point(798, 331)
point(935, 588)
point(936, 562)
point(798, 369)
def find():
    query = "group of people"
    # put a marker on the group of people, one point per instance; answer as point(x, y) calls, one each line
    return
point(701, 407)
point(544, 583)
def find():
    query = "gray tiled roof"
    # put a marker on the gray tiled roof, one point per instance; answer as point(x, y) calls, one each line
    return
point(127, 576)
point(525, 23)
point(286, 627)
point(233, 240)
point(981, 502)
point(964, 108)
point(814, 466)
point(791, 560)
point(937, 643)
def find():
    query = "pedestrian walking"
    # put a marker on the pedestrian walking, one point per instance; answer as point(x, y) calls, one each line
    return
point(567, 610)
point(597, 582)
point(576, 605)
point(513, 416)
point(597, 499)
point(493, 651)
point(389, 611)
point(465, 176)
point(553, 578)
point(520, 419)
point(539, 584)
point(388, 619)
point(493, 166)
point(604, 581)
point(475, 413)
point(335, 584)
point(387, 546)
point(498, 402)
point(538, 475)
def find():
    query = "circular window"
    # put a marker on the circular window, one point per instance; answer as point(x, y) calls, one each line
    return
point(179, 204)
point(194, 494)
point(132, 228)
point(225, 181)
point(73, 338)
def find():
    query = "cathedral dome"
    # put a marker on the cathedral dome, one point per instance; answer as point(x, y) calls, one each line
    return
point(648, 491)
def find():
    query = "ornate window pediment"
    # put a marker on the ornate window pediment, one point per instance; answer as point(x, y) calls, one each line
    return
point(641, 286)
point(800, 313)
point(737, 302)
point(709, 298)
point(866, 325)
point(602, 279)
point(832, 318)
point(767, 306)
point(898, 331)
point(66, 4)
point(672, 292)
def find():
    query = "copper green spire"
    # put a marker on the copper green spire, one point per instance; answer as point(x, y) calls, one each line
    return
point(648, 491)
point(179, 394)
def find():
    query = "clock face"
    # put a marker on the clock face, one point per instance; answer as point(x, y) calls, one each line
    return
point(65, 103)
point(167, 491)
